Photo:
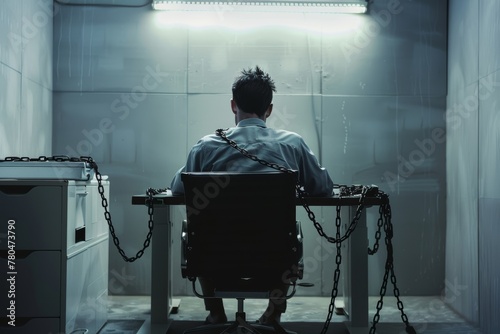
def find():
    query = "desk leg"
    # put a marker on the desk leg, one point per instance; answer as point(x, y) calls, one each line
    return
point(161, 283)
point(357, 277)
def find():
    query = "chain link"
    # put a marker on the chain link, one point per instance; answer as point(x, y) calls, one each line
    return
point(378, 233)
point(107, 215)
point(336, 274)
point(302, 196)
point(56, 158)
point(104, 202)
point(385, 217)
point(384, 221)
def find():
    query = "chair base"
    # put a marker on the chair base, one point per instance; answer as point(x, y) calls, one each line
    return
point(239, 326)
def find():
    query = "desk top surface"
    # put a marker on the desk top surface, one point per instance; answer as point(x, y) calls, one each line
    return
point(166, 198)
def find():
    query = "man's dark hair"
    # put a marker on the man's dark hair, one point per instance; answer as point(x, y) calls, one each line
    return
point(253, 91)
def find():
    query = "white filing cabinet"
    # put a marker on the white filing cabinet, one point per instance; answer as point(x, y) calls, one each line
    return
point(60, 256)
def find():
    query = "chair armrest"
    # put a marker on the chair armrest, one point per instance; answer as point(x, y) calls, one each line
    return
point(184, 244)
point(300, 235)
point(299, 271)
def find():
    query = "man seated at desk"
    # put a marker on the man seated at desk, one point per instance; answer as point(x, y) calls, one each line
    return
point(252, 105)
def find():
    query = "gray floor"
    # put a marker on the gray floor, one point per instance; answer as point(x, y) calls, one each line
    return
point(427, 314)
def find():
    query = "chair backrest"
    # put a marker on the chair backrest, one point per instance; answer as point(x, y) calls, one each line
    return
point(240, 225)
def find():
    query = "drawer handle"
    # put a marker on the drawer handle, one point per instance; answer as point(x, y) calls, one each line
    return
point(16, 190)
point(20, 254)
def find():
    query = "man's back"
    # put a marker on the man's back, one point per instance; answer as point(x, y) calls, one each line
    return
point(284, 148)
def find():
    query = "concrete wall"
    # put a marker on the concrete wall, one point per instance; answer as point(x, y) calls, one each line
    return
point(135, 91)
point(473, 156)
point(25, 78)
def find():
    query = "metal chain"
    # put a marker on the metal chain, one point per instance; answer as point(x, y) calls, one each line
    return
point(378, 233)
point(104, 202)
point(385, 212)
point(107, 215)
point(57, 158)
point(301, 193)
point(383, 221)
point(336, 274)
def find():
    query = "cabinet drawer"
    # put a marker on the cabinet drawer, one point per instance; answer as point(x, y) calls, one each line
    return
point(35, 287)
point(36, 215)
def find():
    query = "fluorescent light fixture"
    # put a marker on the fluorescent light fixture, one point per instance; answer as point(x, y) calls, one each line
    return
point(246, 21)
point(297, 6)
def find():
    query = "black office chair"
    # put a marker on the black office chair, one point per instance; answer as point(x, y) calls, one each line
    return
point(241, 232)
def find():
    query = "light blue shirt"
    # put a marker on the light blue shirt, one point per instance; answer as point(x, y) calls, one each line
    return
point(284, 148)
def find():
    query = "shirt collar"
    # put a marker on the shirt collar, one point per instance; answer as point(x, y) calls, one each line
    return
point(252, 122)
